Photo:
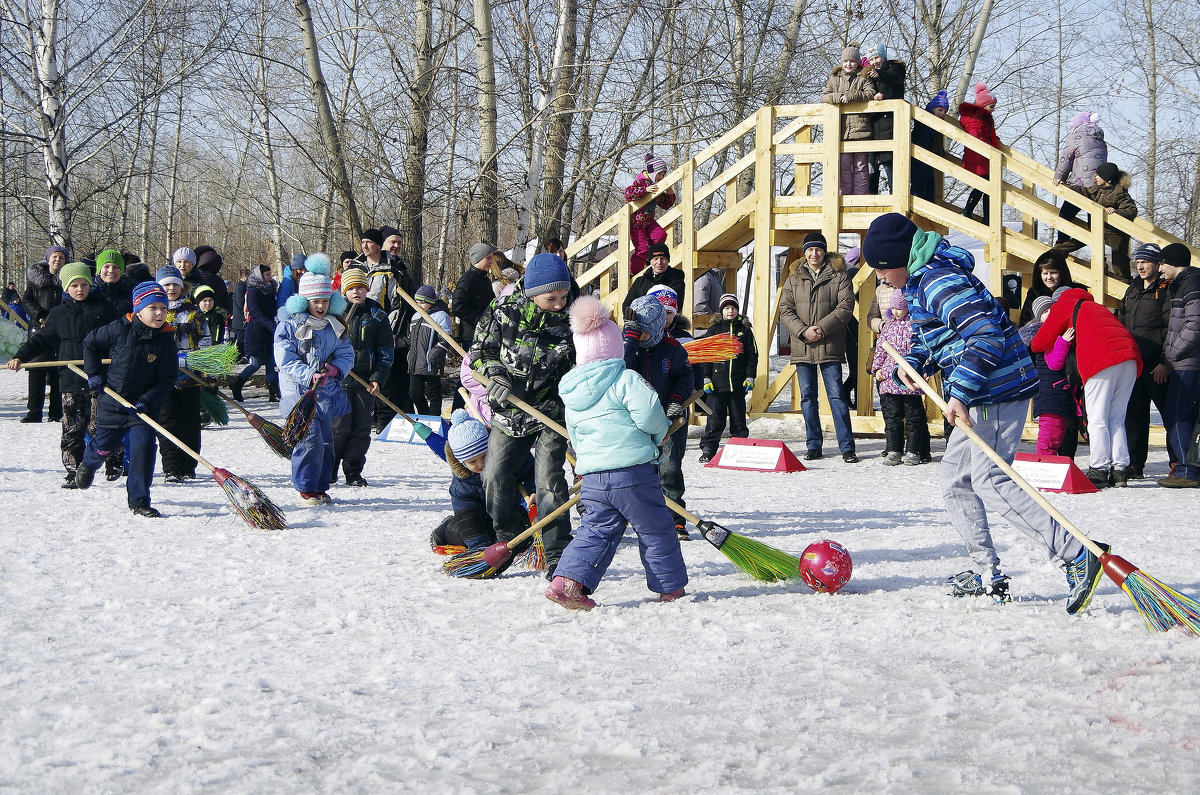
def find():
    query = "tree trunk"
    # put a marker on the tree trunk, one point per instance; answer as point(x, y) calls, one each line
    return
point(786, 53)
point(52, 121)
point(151, 152)
point(448, 205)
point(325, 121)
point(487, 189)
point(417, 150)
point(558, 132)
point(1151, 111)
point(964, 79)
point(268, 148)
point(169, 232)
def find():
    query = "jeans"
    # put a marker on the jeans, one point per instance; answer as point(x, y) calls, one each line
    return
point(505, 455)
point(1183, 393)
point(831, 374)
point(256, 362)
point(1137, 419)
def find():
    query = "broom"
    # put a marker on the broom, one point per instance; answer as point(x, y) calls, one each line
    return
point(753, 558)
point(211, 402)
point(271, 433)
point(198, 360)
point(249, 502)
point(714, 348)
point(434, 440)
point(295, 427)
point(1159, 605)
point(484, 563)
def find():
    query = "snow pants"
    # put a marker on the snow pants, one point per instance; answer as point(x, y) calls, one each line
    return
point(723, 404)
point(107, 443)
point(971, 484)
point(1106, 395)
point(900, 411)
point(180, 414)
point(614, 499)
point(76, 416)
point(854, 177)
point(352, 433)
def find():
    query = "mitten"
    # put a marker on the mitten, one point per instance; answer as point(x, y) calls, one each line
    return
point(674, 411)
point(749, 384)
point(708, 386)
point(96, 383)
point(633, 329)
point(498, 391)
point(137, 408)
point(437, 358)
point(331, 371)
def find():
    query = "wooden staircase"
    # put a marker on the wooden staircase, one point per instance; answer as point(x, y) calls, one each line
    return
point(774, 180)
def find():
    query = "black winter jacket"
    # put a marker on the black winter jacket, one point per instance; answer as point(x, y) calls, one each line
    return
point(1145, 311)
point(144, 367)
point(43, 292)
point(118, 294)
point(671, 277)
point(728, 376)
point(665, 366)
point(62, 336)
point(472, 296)
point(370, 335)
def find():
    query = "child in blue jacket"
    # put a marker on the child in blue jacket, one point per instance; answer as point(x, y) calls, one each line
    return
point(616, 423)
point(311, 351)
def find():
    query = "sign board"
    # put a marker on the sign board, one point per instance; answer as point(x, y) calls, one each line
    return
point(401, 430)
point(1056, 473)
point(758, 455)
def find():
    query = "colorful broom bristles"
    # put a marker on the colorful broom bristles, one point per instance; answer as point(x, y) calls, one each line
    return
point(211, 402)
point(270, 433)
point(250, 503)
point(470, 566)
point(299, 419)
point(715, 348)
point(1161, 606)
point(214, 360)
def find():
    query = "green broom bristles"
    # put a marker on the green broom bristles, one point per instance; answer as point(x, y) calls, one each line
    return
point(250, 503)
point(214, 360)
point(212, 403)
point(753, 558)
point(1161, 606)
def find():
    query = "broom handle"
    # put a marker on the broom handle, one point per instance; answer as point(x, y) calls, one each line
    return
point(1006, 467)
point(383, 397)
point(63, 363)
point(521, 404)
point(175, 439)
point(545, 520)
point(13, 315)
point(218, 392)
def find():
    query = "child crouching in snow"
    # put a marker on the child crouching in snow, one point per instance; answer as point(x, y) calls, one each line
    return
point(311, 351)
point(616, 422)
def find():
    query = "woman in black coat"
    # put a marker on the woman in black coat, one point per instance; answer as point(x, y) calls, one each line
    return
point(1050, 272)
point(260, 333)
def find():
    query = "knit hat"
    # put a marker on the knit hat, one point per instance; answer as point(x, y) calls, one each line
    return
point(652, 317)
point(940, 100)
point(898, 301)
point(654, 164)
point(110, 256)
point(426, 293)
point(595, 336)
point(374, 235)
point(815, 239)
point(659, 249)
point(853, 256)
point(169, 274)
point(203, 291)
point(1084, 117)
point(148, 293)
point(665, 296)
point(208, 260)
point(889, 241)
point(983, 97)
point(545, 274)
point(851, 53)
point(59, 249)
point(1059, 292)
point(184, 253)
point(1040, 305)
point(468, 437)
point(387, 231)
point(354, 277)
point(315, 283)
point(347, 255)
point(479, 251)
point(1177, 255)
point(298, 262)
point(1108, 172)
point(1150, 252)
point(876, 49)
point(729, 298)
point(72, 271)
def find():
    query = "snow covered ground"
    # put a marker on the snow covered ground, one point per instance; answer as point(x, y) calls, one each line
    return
point(194, 654)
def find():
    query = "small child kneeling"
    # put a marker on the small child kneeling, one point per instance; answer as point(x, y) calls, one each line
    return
point(615, 422)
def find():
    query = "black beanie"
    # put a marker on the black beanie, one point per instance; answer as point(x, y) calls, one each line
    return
point(1108, 172)
point(814, 239)
point(1177, 255)
point(657, 249)
point(373, 235)
point(889, 241)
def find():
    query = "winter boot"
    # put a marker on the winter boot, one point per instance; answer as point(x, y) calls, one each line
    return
point(272, 391)
point(235, 387)
point(569, 594)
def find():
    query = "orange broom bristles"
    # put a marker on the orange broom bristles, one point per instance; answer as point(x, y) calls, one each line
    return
point(717, 348)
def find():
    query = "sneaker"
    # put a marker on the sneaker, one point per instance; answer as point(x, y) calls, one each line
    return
point(813, 455)
point(705, 458)
point(999, 590)
point(1134, 473)
point(912, 460)
point(1120, 476)
point(1083, 574)
point(892, 459)
point(173, 478)
point(1101, 478)
point(84, 477)
point(569, 594)
point(850, 457)
point(681, 531)
point(113, 472)
point(672, 596)
point(1175, 482)
point(147, 511)
point(310, 497)
point(69, 483)
point(966, 583)
point(324, 498)
point(356, 480)
point(886, 453)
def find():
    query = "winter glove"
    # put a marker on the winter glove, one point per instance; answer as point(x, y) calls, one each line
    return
point(138, 408)
point(437, 359)
point(498, 391)
point(749, 384)
point(331, 371)
point(674, 411)
point(96, 383)
point(318, 378)
point(633, 329)
point(708, 386)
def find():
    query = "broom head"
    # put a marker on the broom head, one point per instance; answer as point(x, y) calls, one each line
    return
point(300, 418)
point(212, 403)
point(214, 360)
point(272, 434)
point(1159, 605)
point(250, 503)
point(714, 348)
point(471, 565)
point(753, 558)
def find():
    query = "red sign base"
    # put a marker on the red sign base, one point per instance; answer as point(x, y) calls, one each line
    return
point(756, 455)
point(1056, 473)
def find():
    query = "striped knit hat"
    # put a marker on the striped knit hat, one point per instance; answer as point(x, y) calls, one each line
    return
point(146, 294)
point(665, 296)
point(354, 277)
point(729, 298)
point(1149, 252)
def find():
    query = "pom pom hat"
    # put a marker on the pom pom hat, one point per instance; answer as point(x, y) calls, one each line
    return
point(940, 100)
point(147, 294)
point(546, 273)
point(595, 335)
point(468, 437)
point(983, 97)
point(72, 271)
point(315, 283)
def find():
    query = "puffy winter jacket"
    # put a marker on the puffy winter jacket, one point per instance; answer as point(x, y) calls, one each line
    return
point(1054, 394)
point(648, 280)
point(118, 294)
point(473, 296)
point(614, 418)
point(978, 121)
point(665, 367)
point(427, 348)
point(1182, 351)
point(1115, 196)
point(62, 337)
point(1146, 312)
point(301, 349)
point(826, 300)
point(1100, 339)
point(845, 87)
point(533, 349)
point(370, 336)
point(1083, 151)
point(728, 376)
point(43, 292)
point(144, 367)
point(890, 82)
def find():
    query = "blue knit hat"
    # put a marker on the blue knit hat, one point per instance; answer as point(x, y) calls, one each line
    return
point(546, 273)
point(169, 274)
point(146, 294)
point(1149, 252)
point(184, 253)
point(876, 49)
point(468, 436)
point(940, 100)
point(426, 293)
point(889, 241)
point(652, 317)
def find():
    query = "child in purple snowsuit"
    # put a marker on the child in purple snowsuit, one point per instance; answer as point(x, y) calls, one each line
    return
point(901, 406)
point(616, 423)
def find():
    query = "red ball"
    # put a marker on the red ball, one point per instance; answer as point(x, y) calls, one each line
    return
point(825, 566)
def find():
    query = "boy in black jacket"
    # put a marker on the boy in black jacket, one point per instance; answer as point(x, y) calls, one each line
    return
point(144, 367)
point(62, 338)
point(727, 383)
point(370, 334)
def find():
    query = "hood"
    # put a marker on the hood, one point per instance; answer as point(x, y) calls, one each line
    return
point(971, 109)
point(1074, 296)
point(584, 385)
point(255, 281)
point(1089, 130)
point(38, 274)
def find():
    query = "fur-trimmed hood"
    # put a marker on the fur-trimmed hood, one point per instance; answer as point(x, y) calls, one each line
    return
point(38, 274)
point(456, 467)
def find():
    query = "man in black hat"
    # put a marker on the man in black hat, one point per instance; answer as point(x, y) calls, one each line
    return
point(659, 272)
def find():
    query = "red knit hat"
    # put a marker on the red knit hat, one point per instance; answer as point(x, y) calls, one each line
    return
point(983, 97)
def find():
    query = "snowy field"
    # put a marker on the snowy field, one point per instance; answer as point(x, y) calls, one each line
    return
point(194, 654)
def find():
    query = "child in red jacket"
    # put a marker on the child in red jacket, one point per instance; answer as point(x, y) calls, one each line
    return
point(976, 118)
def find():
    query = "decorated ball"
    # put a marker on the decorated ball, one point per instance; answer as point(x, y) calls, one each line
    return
point(825, 566)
